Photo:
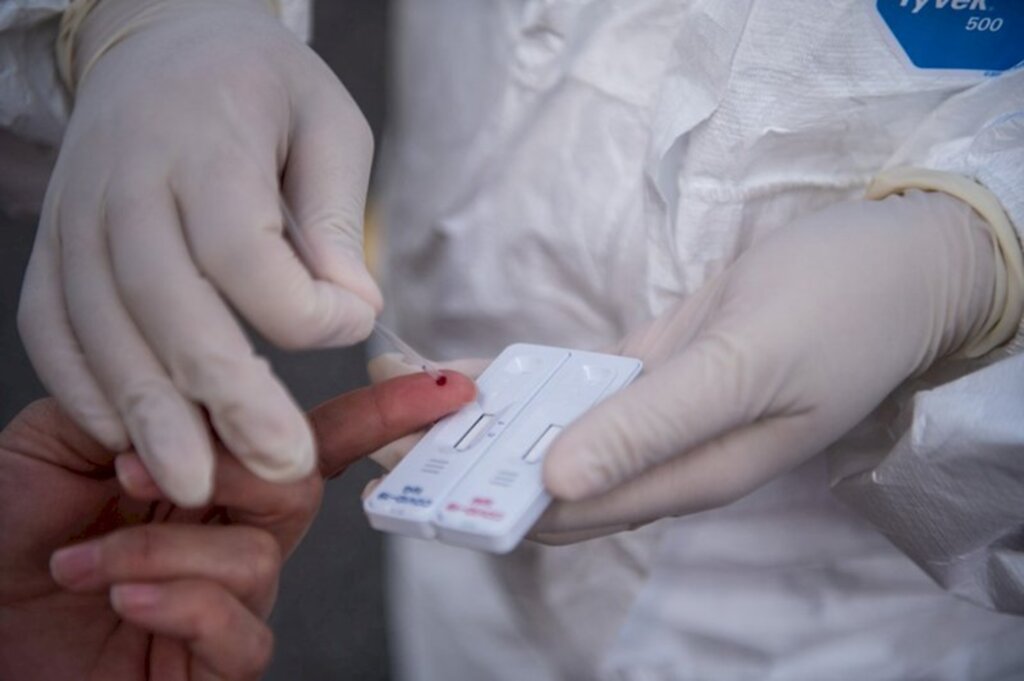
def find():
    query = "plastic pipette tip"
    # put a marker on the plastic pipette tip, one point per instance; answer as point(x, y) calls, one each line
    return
point(410, 355)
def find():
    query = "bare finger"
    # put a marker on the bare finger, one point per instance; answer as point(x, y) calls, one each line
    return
point(244, 560)
point(357, 423)
point(224, 637)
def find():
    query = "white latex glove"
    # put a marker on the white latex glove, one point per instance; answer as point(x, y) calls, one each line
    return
point(766, 365)
point(163, 210)
point(773, 360)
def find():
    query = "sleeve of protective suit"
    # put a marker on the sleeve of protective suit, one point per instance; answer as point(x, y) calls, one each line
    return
point(33, 106)
point(950, 492)
point(33, 103)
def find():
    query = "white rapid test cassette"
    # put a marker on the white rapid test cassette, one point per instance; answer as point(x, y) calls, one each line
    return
point(475, 478)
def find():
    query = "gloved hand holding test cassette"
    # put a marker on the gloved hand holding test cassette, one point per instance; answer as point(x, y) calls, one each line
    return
point(475, 479)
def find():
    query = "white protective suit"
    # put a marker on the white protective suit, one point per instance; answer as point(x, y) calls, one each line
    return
point(562, 171)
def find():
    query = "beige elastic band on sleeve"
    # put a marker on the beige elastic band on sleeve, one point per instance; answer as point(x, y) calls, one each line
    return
point(1008, 304)
point(71, 22)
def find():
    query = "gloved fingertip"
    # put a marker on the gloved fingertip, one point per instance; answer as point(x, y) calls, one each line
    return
point(347, 269)
point(371, 293)
point(189, 485)
point(178, 457)
point(357, 324)
point(278, 459)
point(191, 495)
point(570, 476)
point(278, 468)
point(264, 429)
point(111, 434)
point(300, 464)
point(104, 426)
point(362, 284)
point(382, 457)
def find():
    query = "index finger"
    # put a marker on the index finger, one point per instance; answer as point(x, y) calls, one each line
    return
point(357, 423)
point(346, 428)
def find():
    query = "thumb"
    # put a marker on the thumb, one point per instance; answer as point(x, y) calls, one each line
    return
point(691, 399)
point(325, 181)
point(357, 423)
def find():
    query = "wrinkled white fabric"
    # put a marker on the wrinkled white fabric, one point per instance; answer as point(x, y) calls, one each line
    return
point(33, 103)
point(562, 171)
point(940, 494)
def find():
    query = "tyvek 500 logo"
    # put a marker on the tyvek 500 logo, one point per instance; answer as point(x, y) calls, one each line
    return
point(970, 5)
point(979, 35)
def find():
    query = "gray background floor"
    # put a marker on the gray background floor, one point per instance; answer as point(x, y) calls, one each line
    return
point(330, 614)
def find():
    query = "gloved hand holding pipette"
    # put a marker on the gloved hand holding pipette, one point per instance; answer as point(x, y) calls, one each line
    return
point(305, 252)
point(160, 219)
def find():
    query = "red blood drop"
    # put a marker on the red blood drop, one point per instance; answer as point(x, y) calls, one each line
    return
point(441, 380)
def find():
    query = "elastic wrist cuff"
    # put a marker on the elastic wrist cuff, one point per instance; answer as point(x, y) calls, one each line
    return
point(1008, 304)
point(71, 22)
